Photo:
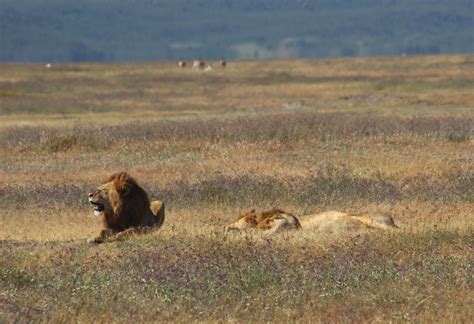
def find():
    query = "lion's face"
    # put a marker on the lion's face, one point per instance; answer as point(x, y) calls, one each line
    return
point(100, 199)
point(246, 221)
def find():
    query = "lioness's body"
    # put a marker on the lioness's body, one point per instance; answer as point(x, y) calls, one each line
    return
point(276, 220)
point(124, 208)
point(334, 220)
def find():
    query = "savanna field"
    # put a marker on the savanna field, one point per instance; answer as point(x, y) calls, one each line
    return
point(366, 135)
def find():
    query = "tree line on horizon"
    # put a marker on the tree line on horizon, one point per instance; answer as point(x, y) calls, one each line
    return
point(130, 30)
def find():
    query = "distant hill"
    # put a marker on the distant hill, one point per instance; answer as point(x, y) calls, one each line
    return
point(123, 30)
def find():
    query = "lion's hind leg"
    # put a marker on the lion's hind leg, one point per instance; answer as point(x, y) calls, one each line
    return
point(158, 210)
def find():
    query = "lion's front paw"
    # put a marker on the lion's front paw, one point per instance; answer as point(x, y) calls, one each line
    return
point(95, 240)
point(128, 233)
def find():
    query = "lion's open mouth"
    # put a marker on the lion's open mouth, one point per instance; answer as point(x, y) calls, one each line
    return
point(98, 207)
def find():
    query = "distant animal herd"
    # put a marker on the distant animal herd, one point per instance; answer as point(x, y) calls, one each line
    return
point(125, 210)
point(200, 65)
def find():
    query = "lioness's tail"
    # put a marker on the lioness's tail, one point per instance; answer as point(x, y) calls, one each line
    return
point(158, 209)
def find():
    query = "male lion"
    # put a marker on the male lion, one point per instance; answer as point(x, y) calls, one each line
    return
point(274, 220)
point(124, 208)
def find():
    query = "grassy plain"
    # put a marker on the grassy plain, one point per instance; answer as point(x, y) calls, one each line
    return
point(358, 135)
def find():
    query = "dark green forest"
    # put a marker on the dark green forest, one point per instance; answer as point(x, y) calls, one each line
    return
point(144, 30)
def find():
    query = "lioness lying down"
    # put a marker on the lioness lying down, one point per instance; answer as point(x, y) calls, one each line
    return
point(124, 208)
point(276, 220)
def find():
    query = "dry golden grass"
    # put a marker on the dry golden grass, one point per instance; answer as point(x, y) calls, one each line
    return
point(369, 135)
